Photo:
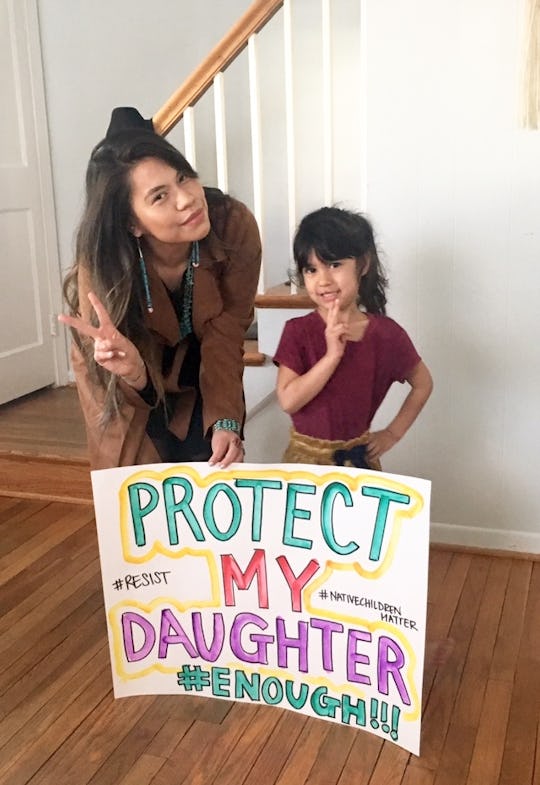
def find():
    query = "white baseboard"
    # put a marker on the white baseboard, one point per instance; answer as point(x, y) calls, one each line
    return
point(491, 539)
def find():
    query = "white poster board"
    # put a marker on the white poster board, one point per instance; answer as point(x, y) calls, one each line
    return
point(297, 586)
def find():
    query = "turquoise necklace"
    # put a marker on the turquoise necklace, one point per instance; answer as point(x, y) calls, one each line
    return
point(186, 324)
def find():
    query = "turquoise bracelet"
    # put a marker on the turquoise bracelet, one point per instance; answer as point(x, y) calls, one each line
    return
point(226, 425)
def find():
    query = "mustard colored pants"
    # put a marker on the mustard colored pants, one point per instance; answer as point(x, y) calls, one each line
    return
point(324, 452)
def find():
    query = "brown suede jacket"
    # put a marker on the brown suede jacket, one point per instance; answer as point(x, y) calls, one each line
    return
point(224, 286)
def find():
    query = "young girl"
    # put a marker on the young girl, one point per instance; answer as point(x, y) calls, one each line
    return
point(337, 363)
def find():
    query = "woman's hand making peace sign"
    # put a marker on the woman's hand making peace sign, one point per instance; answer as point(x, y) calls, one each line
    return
point(112, 350)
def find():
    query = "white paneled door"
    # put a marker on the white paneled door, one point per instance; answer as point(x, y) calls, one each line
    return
point(29, 278)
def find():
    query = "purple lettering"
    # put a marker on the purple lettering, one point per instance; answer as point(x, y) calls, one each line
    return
point(284, 643)
point(211, 654)
point(170, 622)
point(260, 655)
point(327, 628)
point(394, 666)
point(128, 620)
point(354, 657)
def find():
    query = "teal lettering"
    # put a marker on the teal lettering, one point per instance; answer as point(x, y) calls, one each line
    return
point(138, 512)
point(296, 702)
point(385, 497)
point(208, 511)
point(351, 708)
point(221, 682)
point(327, 517)
point(259, 487)
point(322, 704)
point(173, 507)
point(292, 512)
point(272, 691)
point(243, 686)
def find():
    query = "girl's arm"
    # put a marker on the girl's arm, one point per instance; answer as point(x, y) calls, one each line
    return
point(421, 387)
point(294, 390)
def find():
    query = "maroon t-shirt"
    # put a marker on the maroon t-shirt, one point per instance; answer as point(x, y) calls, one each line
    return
point(347, 404)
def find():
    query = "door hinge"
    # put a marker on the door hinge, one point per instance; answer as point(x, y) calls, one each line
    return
point(53, 324)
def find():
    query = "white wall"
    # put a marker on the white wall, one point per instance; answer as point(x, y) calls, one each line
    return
point(102, 54)
point(453, 185)
point(430, 147)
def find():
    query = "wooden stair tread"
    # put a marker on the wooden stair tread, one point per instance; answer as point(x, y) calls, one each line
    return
point(280, 297)
point(252, 355)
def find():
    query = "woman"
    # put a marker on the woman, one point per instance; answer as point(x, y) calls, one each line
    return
point(160, 297)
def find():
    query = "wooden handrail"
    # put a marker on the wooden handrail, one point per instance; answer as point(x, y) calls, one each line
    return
point(256, 16)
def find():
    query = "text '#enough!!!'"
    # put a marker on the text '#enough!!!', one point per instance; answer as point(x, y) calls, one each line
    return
point(370, 658)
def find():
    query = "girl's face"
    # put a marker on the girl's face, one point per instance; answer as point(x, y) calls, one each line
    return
point(167, 206)
point(326, 283)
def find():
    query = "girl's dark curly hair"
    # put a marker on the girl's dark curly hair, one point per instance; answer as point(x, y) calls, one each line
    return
point(333, 233)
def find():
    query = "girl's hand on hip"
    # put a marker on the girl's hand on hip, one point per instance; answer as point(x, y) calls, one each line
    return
point(227, 448)
point(112, 350)
point(379, 443)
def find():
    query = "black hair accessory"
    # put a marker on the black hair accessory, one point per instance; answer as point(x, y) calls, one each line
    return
point(127, 118)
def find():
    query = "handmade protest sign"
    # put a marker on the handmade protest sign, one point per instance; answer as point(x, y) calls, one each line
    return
point(303, 587)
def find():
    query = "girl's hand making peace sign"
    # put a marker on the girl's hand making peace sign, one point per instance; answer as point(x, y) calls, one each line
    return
point(112, 350)
point(335, 332)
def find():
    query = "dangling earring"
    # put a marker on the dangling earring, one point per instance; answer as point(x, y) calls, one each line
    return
point(149, 304)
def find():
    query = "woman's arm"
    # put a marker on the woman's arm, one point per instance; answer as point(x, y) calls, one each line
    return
point(222, 336)
point(117, 443)
point(421, 387)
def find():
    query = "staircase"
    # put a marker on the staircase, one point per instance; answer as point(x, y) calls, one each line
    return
point(270, 116)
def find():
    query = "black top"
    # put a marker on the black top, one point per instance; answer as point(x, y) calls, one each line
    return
point(170, 448)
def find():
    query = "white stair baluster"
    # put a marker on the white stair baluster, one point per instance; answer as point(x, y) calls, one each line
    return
point(327, 104)
point(289, 117)
point(221, 132)
point(256, 143)
point(188, 121)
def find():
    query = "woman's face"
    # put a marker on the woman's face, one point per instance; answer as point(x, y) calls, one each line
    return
point(167, 206)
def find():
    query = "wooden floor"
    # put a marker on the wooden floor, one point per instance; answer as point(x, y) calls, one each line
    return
point(59, 724)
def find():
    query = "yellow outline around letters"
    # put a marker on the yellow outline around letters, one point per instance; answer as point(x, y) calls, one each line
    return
point(353, 483)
